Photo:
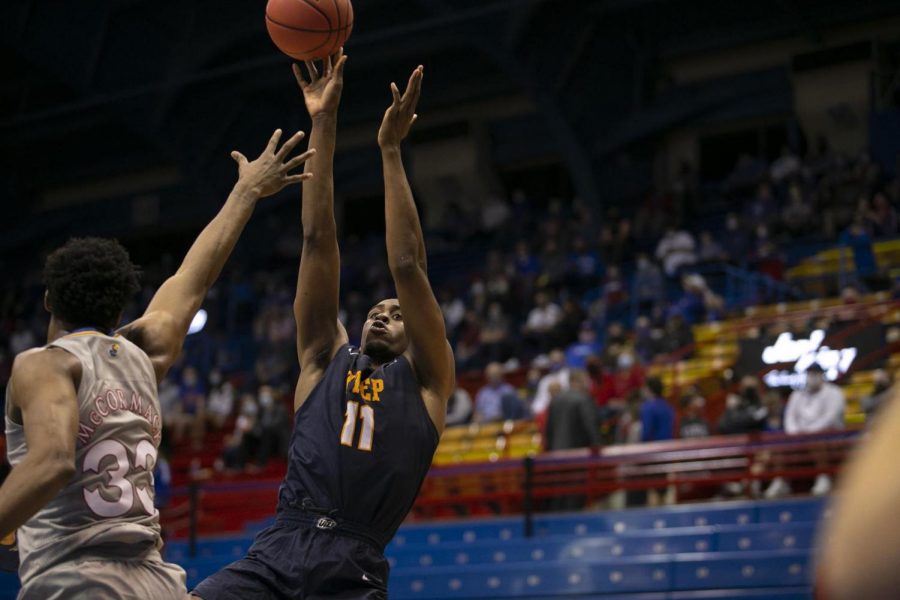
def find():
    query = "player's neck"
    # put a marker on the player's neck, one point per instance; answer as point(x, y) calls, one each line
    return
point(58, 329)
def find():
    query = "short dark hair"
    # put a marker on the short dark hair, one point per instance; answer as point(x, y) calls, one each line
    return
point(655, 385)
point(89, 281)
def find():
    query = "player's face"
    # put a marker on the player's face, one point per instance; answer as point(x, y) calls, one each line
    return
point(383, 335)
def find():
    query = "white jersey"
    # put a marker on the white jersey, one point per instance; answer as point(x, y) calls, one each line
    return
point(106, 510)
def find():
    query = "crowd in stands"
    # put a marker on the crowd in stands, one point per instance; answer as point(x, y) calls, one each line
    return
point(581, 301)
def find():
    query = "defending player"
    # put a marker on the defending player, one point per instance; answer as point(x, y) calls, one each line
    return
point(82, 413)
point(367, 420)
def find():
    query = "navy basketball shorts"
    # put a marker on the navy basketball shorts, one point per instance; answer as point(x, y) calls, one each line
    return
point(298, 559)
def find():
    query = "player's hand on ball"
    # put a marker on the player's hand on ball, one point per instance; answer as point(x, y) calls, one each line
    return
point(401, 114)
point(270, 173)
point(322, 92)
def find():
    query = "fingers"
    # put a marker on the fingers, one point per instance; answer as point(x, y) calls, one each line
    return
point(239, 158)
point(395, 93)
point(313, 72)
point(298, 75)
point(299, 160)
point(410, 84)
point(327, 67)
point(415, 87)
point(300, 177)
point(289, 145)
point(339, 66)
point(273, 141)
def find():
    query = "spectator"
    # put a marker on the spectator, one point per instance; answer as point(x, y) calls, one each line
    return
point(243, 441)
point(649, 284)
point(676, 250)
point(587, 345)
point(542, 319)
point(693, 425)
point(495, 212)
point(585, 264)
point(169, 409)
point(459, 408)
point(762, 208)
point(785, 166)
point(629, 376)
point(453, 309)
point(678, 339)
point(489, 399)
point(798, 214)
point(629, 427)
point(881, 393)
point(495, 333)
point(558, 374)
point(601, 381)
point(744, 411)
point(882, 219)
point(467, 341)
point(647, 340)
point(192, 400)
point(657, 416)
point(710, 250)
point(735, 242)
point(856, 238)
point(818, 407)
point(220, 402)
point(274, 426)
point(572, 416)
point(657, 424)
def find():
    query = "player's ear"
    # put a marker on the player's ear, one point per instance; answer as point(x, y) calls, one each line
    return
point(47, 306)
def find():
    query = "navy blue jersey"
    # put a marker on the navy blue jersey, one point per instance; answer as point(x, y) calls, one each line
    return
point(362, 443)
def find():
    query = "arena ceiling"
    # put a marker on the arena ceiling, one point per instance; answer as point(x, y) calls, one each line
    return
point(119, 98)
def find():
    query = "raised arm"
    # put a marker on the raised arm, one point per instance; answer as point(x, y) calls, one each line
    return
point(164, 325)
point(42, 391)
point(429, 350)
point(319, 334)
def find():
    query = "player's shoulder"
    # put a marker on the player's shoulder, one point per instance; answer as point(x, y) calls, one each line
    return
point(43, 361)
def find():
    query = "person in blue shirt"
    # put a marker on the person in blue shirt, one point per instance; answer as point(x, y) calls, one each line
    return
point(587, 345)
point(857, 238)
point(657, 423)
point(657, 416)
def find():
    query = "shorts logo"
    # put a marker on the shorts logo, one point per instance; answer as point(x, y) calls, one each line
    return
point(326, 523)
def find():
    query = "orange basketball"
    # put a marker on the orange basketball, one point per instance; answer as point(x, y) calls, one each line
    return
point(305, 29)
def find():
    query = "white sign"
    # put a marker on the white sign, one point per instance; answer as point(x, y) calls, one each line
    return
point(804, 353)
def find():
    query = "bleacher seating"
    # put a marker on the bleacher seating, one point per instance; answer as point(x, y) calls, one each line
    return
point(717, 550)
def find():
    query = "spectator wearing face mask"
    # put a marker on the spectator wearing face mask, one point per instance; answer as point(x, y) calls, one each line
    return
point(220, 401)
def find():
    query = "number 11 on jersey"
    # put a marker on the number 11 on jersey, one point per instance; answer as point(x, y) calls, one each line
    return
point(367, 415)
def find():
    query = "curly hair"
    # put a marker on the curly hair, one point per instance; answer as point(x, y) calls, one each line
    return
point(89, 281)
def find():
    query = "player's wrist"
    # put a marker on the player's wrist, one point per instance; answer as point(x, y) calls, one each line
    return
point(325, 117)
point(247, 191)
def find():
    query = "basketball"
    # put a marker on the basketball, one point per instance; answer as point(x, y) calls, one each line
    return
point(306, 29)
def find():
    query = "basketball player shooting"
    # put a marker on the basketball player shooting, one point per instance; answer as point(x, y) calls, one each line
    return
point(367, 419)
point(82, 412)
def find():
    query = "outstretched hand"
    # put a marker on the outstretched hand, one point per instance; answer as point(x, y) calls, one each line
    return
point(401, 114)
point(322, 93)
point(270, 173)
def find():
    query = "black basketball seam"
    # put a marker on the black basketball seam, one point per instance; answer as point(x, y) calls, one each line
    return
point(320, 11)
point(307, 50)
point(286, 26)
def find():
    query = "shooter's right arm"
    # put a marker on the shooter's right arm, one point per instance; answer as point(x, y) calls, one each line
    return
point(319, 334)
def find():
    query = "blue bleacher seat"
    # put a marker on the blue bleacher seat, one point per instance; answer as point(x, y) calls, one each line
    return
point(741, 569)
